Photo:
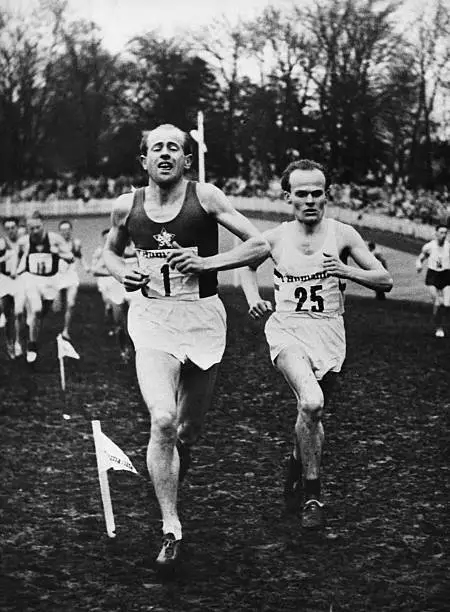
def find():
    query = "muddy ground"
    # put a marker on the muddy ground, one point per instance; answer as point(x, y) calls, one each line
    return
point(385, 476)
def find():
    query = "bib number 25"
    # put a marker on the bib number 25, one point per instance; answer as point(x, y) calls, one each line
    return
point(316, 300)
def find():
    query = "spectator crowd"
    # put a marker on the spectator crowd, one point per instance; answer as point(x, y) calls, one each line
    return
point(428, 206)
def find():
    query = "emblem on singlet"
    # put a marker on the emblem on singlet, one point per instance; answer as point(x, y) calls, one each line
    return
point(164, 239)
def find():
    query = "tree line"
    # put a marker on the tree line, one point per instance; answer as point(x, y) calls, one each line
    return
point(339, 81)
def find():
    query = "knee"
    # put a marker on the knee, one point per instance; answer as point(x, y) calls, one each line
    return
point(311, 408)
point(163, 426)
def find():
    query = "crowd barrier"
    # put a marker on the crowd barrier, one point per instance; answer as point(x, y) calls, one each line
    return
point(78, 208)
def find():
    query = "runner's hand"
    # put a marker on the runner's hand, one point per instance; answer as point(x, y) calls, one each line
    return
point(134, 280)
point(185, 261)
point(259, 309)
point(334, 266)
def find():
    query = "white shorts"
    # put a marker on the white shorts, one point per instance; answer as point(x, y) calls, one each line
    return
point(322, 339)
point(112, 290)
point(45, 286)
point(7, 286)
point(69, 279)
point(188, 330)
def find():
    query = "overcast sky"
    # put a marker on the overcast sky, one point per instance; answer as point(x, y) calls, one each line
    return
point(119, 20)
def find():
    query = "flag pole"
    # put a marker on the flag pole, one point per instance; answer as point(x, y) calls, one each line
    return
point(104, 483)
point(201, 147)
point(62, 373)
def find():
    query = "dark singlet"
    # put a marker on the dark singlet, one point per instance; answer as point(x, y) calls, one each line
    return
point(40, 260)
point(191, 227)
point(3, 269)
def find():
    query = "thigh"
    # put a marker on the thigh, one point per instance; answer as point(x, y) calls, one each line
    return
point(446, 295)
point(195, 392)
point(296, 368)
point(158, 375)
point(33, 295)
point(434, 293)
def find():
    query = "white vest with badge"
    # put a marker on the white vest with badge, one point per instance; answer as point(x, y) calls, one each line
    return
point(301, 284)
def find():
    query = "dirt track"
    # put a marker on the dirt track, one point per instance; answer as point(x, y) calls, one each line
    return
point(386, 480)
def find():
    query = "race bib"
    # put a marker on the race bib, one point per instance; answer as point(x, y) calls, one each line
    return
point(40, 263)
point(163, 281)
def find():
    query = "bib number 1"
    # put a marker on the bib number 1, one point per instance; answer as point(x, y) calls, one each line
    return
point(316, 300)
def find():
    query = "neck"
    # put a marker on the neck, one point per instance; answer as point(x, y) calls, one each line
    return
point(165, 193)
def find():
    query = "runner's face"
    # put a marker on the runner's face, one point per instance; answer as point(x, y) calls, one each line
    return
point(36, 228)
point(11, 230)
point(307, 195)
point(441, 234)
point(165, 161)
point(66, 231)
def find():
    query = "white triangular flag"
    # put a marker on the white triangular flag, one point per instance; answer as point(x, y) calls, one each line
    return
point(111, 456)
point(65, 349)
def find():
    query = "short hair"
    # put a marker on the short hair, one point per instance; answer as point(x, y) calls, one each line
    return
point(439, 225)
point(65, 222)
point(36, 214)
point(371, 245)
point(187, 141)
point(105, 231)
point(10, 220)
point(301, 164)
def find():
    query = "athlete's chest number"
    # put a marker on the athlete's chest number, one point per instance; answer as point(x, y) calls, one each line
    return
point(301, 294)
point(166, 278)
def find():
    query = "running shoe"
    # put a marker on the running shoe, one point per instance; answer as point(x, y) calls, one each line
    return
point(31, 352)
point(184, 453)
point(170, 552)
point(312, 514)
point(439, 333)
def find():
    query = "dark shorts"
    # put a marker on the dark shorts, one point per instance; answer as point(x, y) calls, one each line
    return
point(438, 279)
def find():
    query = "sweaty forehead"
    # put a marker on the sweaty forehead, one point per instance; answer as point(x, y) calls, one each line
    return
point(306, 178)
point(165, 135)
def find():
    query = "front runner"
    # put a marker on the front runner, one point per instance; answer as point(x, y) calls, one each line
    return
point(41, 251)
point(306, 334)
point(177, 322)
point(436, 253)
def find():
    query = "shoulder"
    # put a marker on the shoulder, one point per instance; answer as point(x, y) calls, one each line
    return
point(54, 237)
point(427, 246)
point(3, 244)
point(345, 232)
point(347, 237)
point(276, 234)
point(211, 197)
point(121, 208)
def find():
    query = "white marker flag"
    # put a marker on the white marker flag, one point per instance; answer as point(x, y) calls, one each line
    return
point(108, 455)
point(65, 349)
point(111, 456)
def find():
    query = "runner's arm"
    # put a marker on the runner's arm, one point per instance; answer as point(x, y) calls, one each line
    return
point(116, 241)
point(258, 307)
point(59, 246)
point(424, 254)
point(23, 250)
point(254, 248)
point(369, 273)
